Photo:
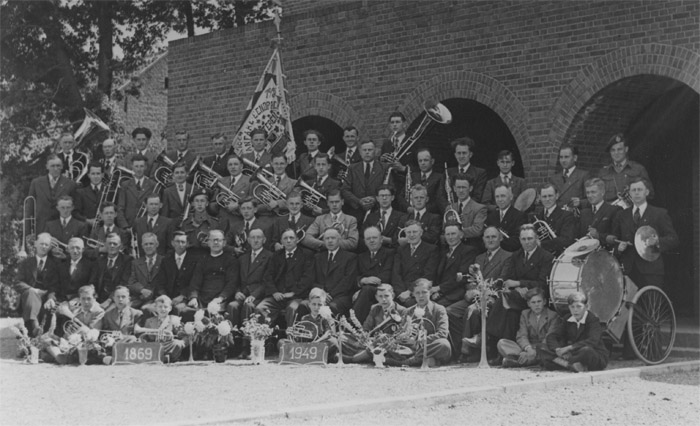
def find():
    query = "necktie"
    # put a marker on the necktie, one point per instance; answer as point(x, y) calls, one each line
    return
point(138, 185)
point(490, 255)
point(383, 222)
point(252, 257)
point(121, 319)
point(348, 156)
point(289, 255)
point(151, 223)
point(73, 266)
point(247, 227)
point(527, 256)
point(413, 250)
point(64, 222)
point(318, 182)
point(463, 170)
point(257, 158)
point(180, 187)
point(178, 261)
point(95, 189)
point(449, 254)
point(292, 221)
point(367, 171)
point(506, 179)
point(424, 179)
point(503, 213)
point(52, 182)
point(110, 263)
point(594, 209)
point(330, 257)
point(149, 263)
point(180, 156)
point(461, 207)
point(418, 216)
point(637, 216)
point(566, 174)
point(40, 266)
point(277, 180)
point(371, 256)
point(108, 230)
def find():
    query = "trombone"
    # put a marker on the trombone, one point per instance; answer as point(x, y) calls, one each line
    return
point(111, 188)
point(28, 224)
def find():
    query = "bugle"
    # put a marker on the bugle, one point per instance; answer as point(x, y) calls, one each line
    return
point(28, 224)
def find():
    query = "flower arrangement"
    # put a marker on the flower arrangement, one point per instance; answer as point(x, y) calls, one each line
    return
point(206, 331)
point(379, 342)
point(256, 330)
point(28, 347)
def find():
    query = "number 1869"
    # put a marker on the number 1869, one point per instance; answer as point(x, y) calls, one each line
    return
point(140, 354)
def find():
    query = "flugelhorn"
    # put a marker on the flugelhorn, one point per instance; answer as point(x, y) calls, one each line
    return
point(310, 197)
point(28, 224)
point(544, 231)
point(435, 112)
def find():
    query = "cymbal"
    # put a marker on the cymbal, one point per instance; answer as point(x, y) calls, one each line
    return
point(525, 199)
point(582, 246)
point(647, 252)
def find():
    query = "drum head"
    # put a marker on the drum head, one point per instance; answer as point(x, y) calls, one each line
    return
point(602, 280)
point(582, 247)
point(525, 199)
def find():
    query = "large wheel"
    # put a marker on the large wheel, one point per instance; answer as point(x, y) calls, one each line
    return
point(651, 325)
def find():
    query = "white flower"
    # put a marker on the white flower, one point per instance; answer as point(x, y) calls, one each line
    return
point(419, 312)
point(213, 307)
point(92, 334)
point(326, 312)
point(199, 326)
point(199, 315)
point(175, 320)
point(189, 328)
point(224, 328)
point(74, 339)
point(396, 317)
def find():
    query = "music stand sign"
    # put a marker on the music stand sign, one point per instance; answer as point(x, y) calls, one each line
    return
point(138, 353)
point(304, 353)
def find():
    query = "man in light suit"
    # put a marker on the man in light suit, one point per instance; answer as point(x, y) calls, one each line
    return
point(182, 153)
point(65, 227)
point(133, 192)
point(175, 196)
point(46, 191)
point(335, 219)
point(417, 259)
point(517, 185)
point(643, 272)
point(155, 223)
point(142, 281)
point(336, 273)
point(494, 264)
point(360, 187)
point(251, 289)
point(387, 219)
point(597, 217)
point(570, 182)
point(259, 155)
point(464, 150)
point(142, 138)
point(471, 213)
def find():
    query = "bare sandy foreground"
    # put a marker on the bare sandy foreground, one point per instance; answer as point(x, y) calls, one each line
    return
point(46, 394)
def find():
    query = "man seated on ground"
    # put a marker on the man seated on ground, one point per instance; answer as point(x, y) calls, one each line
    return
point(433, 319)
point(535, 324)
point(123, 317)
point(160, 327)
point(576, 343)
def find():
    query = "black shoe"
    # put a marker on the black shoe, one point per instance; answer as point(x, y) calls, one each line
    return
point(496, 362)
point(33, 328)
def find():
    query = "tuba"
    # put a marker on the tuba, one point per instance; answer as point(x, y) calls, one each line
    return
point(451, 215)
point(28, 224)
point(544, 231)
point(435, 112)
point(90, 122)
point(310, 197)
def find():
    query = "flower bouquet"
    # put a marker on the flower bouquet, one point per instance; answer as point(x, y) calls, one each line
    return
point(212, 332)
point(258, 332)
point(381, 340)
point(29, 348)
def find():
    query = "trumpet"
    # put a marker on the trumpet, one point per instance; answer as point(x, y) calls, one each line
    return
point(544, 231)
point(569, 207)
point(623, 199)
point(55, 243)
point(435, 112)
point(451, 215)
point(310, 197)
point(28, 224)
point(266, 192)
point(93, 243)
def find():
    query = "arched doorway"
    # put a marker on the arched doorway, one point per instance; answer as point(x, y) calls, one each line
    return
point(479, 122)
point(331, 131)
point(659, 116)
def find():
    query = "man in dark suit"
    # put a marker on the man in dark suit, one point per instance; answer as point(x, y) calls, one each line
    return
point(294, 220)
point(430, 222)
point(363, 180)
point(506, 218)
point(237, 235)
point(597, 217)
point(133, 192)
point(453, 268)
point(464, 319)
point(107, 226)
point(464, 150)
point(561, 222)
point(350, 155)
point(75, 272)
point(37, 283)
point(304, 165)
point(142, 280)
point(433, 182)
point(643, 272)
point(73, 161)
point(217, 161)
point(323, 183)
point(155, 223)
point(288, 280)
point(251, 289)
point(336, 273)
point(65, 227)
point(111, 271)
point(570, 182)
point(142, 137)
point(505, 177)
point(387, 219)
point(110, 161)
point(46, 191)
point(175, 196)
point(374, 267)
point(531, 266)
point(397, 127)
point(183, 154)
point(175, 273)
point(216, 275)
point(259, 155)
point(87, 198)
point(417, 259)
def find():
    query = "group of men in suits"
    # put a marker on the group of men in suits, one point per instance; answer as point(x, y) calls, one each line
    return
point(226, 243)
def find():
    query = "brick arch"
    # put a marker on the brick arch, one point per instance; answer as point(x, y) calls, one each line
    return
point(478, 87)
point(325, 105)
point(654, 59)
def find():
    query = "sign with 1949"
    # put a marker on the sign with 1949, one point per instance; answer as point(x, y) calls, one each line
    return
point(304, 353)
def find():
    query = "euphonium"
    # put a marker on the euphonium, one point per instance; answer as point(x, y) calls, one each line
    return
point(28, 224)
point(544, 231)
point(310, 197)
point(266, 191)
point(205, 176)
point(225, 195)
point(451, 215)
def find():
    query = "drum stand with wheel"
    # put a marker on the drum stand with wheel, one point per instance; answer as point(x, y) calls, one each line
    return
point(647, 313)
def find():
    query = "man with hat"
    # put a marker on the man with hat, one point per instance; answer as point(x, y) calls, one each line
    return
point(199, 223)
point(618, 175)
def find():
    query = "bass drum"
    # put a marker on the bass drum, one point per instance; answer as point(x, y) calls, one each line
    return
point(596, 274)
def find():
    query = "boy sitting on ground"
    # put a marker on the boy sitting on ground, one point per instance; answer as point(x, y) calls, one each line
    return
point(161, 328)
point(317, 300)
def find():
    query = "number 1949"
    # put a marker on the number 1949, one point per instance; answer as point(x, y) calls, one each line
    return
point(298, 352)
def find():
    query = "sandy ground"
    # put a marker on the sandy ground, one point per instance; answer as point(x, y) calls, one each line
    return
point(46, 394)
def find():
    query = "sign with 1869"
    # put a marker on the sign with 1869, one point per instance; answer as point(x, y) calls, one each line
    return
point(304, 353)
point(137, 353)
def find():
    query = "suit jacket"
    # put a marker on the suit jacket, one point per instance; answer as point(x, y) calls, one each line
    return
point(172, 281)
point(517, 185)
point(173, 207)
point(395, 221)
point(563, 223)
point(473, 217)
point(295, 275)
point(106, 280)
point(431, 224)
point(163, 228)
point(499, 266)
point(130, 199)
point(568, 333)
point(242, 189)
point(286, 185)
point(573, 187)
point(125, 324)
point(74, 228)
point(327, 186)
point(86, 201)
point(381, 266)
point(338, 278)
point(602, 221)
point(47, 279)
point(348, 239)
point(109, 166)
point(218, 163)
point(510, 224)
point(355, 188)
point(304, 167)
point(92, 317)
point(150, 156)
point(437, 315)
point(459, 261)
point(377, 315)
point(408, 268)
point(265, 158)
point(625, 228)
point(80, 277)
point(252, 275)
point(532, 274)
point(478, 178)
point(437, 197)
point(188, 158)
point(533, 331)
point(141, 278)
point(214, 277)
point(282, 223)
point(46, 197)
point(238, 228)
